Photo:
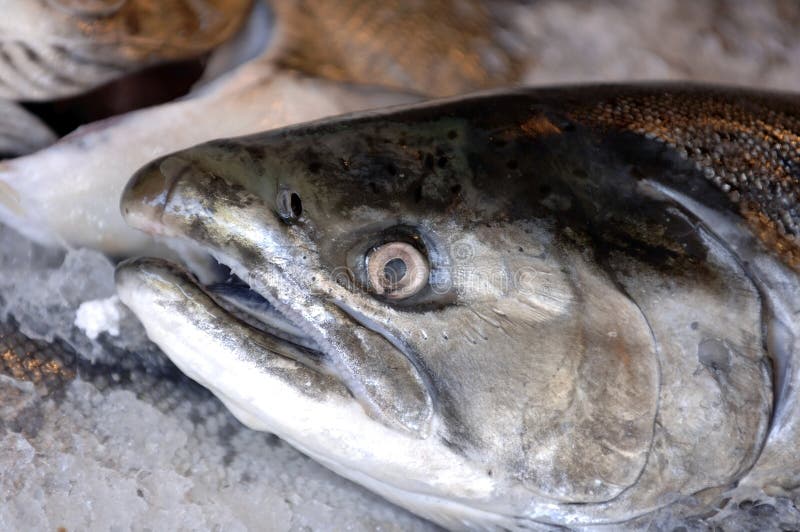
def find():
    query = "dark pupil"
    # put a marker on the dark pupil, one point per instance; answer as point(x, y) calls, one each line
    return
point(394, 270)
point(296, 205)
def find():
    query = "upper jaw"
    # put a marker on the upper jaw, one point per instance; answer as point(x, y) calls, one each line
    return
point(146, 195)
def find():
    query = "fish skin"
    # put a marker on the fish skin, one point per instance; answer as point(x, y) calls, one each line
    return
point(56, 48)
point(604, 331)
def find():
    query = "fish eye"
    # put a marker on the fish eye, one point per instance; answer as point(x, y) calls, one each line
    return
point(290, 207)
point(397, 270)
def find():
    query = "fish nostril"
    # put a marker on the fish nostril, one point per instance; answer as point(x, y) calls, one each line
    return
point(296, 205)
point(290, 207)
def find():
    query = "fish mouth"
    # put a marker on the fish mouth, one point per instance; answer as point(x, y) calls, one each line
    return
point(238, 301)
point(144, 202)
point(276, 285)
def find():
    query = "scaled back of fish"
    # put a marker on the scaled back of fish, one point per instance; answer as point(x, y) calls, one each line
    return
point(564, 306)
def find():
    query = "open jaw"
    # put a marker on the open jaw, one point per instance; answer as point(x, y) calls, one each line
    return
point(240, 314)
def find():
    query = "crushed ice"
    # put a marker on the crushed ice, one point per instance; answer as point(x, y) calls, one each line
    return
point(98, 316)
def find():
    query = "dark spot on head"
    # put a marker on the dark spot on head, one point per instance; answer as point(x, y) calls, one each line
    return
point(314, 167)
point(694, 325)
point(544, 190)
point(580, 173)
point(373, 187)
point(257, 154)
point(428, 161)
point(498, 142)
point(455, 189)
point(418, 193)
point(441, 162)
point(452, 134)
point(139, 492)
point(391, 169)
point(512, 165)
point(520, 249)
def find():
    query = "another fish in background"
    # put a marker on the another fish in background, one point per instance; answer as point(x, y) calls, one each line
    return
point(56, 48)
point(52, 49)
point(437, 48)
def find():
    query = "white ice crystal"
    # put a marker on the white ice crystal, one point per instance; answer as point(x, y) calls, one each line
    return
point(98, 316)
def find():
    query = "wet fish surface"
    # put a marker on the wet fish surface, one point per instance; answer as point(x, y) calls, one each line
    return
point(567, 306)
